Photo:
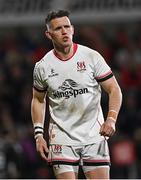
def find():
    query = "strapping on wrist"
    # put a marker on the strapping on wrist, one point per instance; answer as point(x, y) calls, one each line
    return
point(111, 118)
point(38, 130)
point(112, 114)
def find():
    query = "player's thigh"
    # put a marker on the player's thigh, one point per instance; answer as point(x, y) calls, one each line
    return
point(65, 161)
point(67, 175)
point(101, 172)
point(96, 160)
point(65, 171)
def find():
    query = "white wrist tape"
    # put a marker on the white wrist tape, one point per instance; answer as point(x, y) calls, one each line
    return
point(38, 129)
point(112, 114)
point(38, 125)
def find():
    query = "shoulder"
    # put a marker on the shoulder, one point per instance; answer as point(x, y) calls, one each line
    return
point(84, 48)
point(89, 52)
point(45, 60)
point(87, 49)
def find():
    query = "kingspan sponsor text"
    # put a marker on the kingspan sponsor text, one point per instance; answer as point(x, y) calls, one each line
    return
point(68, 93)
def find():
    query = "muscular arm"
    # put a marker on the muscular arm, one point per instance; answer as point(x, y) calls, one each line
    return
point(115, 99)
point(115, 96)
point(38, 107)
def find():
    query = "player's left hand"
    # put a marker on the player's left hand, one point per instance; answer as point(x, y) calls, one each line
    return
point(108, 128)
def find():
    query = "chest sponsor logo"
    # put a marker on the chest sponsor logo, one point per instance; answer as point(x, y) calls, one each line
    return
point(52, 73)
point(81, 67)
point(69, 88)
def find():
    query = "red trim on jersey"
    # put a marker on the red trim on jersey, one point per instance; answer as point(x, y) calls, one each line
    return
point(75, 46)
point(96, 160)
point(62, 159)
point(104, 75)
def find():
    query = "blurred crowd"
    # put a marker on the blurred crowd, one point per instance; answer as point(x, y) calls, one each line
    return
point(20, 49)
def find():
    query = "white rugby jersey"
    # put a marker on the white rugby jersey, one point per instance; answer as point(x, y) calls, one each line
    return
point(74, 94)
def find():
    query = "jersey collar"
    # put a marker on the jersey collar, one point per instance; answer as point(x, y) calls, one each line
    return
point(75, 46)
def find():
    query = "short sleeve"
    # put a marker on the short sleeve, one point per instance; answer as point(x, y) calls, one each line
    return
point(39, 82)
point(102, 71)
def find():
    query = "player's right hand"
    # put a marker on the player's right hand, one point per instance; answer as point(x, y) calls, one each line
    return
point(41, 147)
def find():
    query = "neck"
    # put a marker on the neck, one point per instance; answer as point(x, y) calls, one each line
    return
point(65, 52)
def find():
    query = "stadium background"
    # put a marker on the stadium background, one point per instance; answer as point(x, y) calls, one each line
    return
point(111, 27)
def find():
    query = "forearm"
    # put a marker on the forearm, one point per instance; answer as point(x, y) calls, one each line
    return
point(115, 101)
point(38, 111)
point(38, 115)
point(38, 107)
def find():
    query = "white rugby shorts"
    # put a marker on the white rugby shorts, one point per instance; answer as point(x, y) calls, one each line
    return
point(68, 158)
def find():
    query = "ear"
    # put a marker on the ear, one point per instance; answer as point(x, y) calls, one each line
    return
point(47, 33)
point(72, 29)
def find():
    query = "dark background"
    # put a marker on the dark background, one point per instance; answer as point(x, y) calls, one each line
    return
point(115, 35)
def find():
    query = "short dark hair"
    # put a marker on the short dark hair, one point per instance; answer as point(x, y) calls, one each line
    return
point(56, 14)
